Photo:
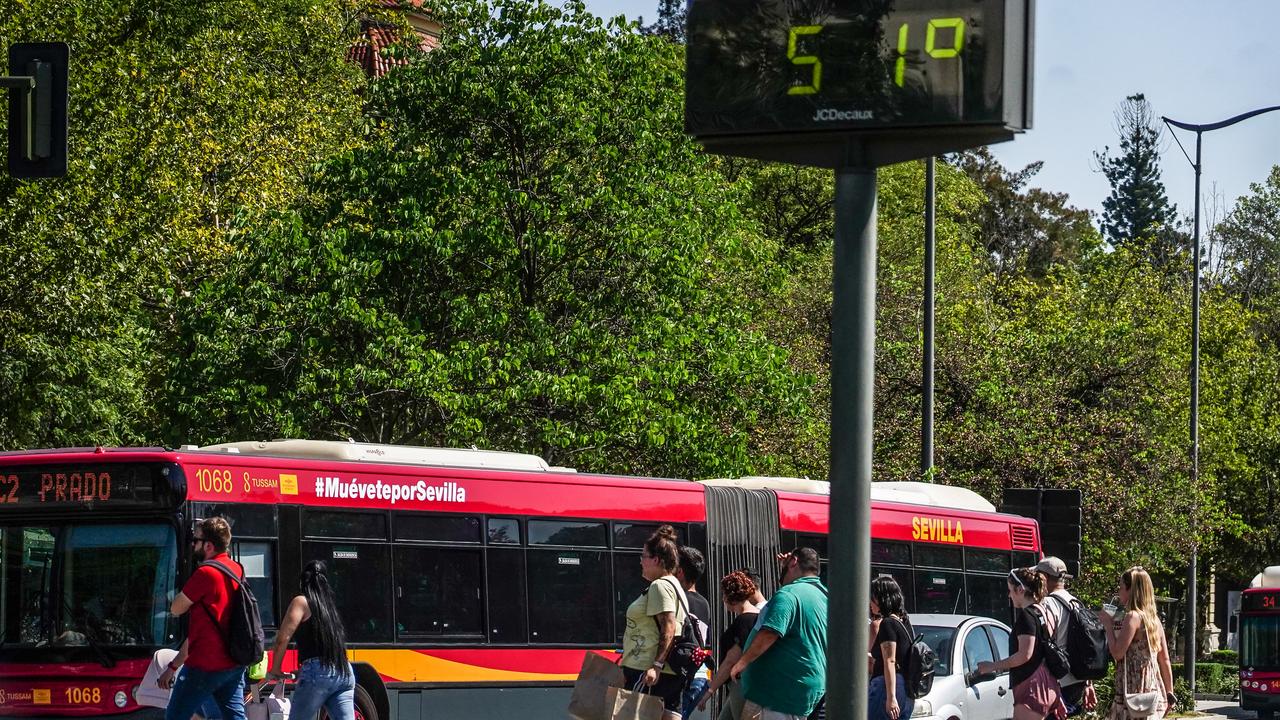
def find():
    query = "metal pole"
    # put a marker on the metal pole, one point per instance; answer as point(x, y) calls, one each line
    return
point(1189, 661)
point(853, 332)
point(926, 399)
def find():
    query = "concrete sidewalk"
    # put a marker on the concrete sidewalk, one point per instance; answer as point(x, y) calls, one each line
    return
point(1224, 710)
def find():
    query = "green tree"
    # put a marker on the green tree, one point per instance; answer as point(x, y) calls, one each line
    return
point(1025, 230)
point(182, 115)
point(1138, 211)
point(528, 254)
point(1249, 241)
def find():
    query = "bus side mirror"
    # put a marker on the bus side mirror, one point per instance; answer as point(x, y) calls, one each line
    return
point(38, 109)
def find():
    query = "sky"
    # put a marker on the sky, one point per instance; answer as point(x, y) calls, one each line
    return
point(1198, 61)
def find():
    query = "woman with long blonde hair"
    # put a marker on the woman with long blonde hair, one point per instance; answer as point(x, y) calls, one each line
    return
point(1137, 642)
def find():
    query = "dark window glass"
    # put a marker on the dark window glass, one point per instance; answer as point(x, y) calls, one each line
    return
point(438, 528)
point(559, 532)
point(358, 573)
point(941, 639)
point(817, 542)
point(1024, 559)
point(329, 524)
point(999, 639)
point(890, 553)
point(569, 596)
point(938, 556)
point(628, 584)
point(508, 622)
point(977, 648)
point(438, 591)
point(987, 561)
point(989, 597)
point(903, 576)
point(631, 535)
point(939, 592)
point(245, 520)
point(504, 531)
point(258, 561)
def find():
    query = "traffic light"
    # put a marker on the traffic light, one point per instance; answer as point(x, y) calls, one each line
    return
point(1058, 512)
point(38, 109)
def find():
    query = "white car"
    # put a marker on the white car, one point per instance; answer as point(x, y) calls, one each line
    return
point(961, 642)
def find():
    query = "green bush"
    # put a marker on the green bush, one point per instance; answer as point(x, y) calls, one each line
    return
point(1186, 699)
point(1226, 657)
point(1213, 678)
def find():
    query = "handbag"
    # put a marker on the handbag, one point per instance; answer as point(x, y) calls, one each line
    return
point(1139, 704)
point(688, 653)
point(595, 678)
point(149, 694)
point(632, 704)
point(266, 707)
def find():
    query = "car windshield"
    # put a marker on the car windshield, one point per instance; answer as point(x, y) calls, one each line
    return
point(941, 639)
point(86, 584)
point(1260, 642)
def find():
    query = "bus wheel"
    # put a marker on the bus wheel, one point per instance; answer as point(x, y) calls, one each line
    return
point(365, 709)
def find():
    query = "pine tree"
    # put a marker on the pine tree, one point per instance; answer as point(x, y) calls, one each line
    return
point(671, 21)
point(1138, 211)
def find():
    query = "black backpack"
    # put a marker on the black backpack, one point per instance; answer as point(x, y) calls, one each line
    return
point(920, 665)
point(688, 653)
point(245, 643)
point(1054, 656)
point(1085, 640)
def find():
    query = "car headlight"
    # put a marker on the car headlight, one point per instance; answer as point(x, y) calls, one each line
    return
point(923, 708)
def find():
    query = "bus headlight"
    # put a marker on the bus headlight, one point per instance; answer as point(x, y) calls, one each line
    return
point(923, 708)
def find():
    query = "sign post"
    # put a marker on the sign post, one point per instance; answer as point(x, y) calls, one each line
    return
point(852, 85)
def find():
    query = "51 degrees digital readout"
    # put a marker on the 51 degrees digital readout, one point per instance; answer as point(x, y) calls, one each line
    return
point(931, 48)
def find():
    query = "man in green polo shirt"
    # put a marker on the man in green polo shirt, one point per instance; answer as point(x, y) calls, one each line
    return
point(784, 666)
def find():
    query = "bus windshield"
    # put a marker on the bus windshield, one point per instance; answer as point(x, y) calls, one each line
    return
point(1260, 642)
point(86, 584)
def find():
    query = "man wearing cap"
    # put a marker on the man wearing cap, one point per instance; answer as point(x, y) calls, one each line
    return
point(1077, 694)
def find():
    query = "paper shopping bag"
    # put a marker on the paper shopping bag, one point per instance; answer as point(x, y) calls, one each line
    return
point(266, 707)
point(631, 705)
point(596, 676)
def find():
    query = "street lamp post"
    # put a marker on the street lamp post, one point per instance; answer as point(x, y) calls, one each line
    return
point(1189, 660)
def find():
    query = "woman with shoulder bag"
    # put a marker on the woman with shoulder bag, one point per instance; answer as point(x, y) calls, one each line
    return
point(1036, 693)
point(1144, 678)
point(887, 696)
point(653, 621)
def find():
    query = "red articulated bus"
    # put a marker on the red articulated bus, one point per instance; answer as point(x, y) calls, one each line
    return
point(470, 582)
point(1260, 646)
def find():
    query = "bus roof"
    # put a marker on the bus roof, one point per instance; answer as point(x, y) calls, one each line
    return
point(909, 493)
point(351, 451)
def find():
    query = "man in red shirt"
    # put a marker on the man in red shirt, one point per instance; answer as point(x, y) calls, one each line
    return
point(206, 669)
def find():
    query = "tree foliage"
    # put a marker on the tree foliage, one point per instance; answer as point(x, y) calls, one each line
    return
point(1138, 211)
point(527, 253)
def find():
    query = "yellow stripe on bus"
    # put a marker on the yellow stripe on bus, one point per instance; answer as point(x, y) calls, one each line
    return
point(411, 666)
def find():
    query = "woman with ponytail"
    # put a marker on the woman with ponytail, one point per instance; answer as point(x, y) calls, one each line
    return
point(1136, 640)
point(324, 674)
point(1036, 693)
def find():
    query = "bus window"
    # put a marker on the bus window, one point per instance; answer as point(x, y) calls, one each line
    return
point(245, 520)
point(438, 528)
point(631, 535)
point(568, 532)
point(259, 569)
point(938, 556)
point(890, 553)
point(569, 596)
point(986, 561)
point(507, 601)
point(504, 531)
point(903, 578)
point(354, 525)
point(989, 597)
point(628, 584)
point(358, 573)
point(817, 542)
point(438, 591)
point(939, 592)
point(1024, 559)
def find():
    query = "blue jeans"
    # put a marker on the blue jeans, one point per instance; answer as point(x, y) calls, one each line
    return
point(193, 687)
point(692, 694)
point(319, 684)
point(876, 697)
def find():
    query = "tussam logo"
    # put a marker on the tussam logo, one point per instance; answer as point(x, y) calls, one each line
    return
point(356, 489)
point(831, 114)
